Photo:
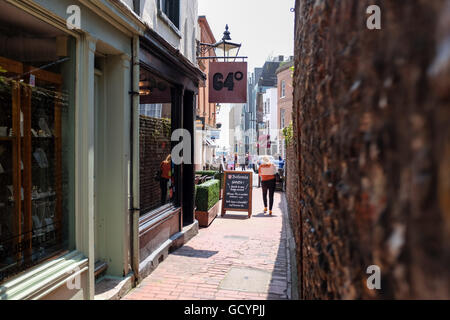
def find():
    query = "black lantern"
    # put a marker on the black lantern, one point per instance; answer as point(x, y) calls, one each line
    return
point(224, 48)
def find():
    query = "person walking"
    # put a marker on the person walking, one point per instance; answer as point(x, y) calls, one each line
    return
point(281, 162)
point(242, 160)
point(246, 164)
point(166, 173)
point(267, 173)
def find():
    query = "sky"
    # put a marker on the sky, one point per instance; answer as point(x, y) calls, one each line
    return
point(264, 27)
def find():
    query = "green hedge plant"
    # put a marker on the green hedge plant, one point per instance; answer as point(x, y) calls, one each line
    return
point(212, 173)
point(207, 195)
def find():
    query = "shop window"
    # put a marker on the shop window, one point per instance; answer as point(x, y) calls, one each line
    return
point(37, 68)
point(157, 174)
point(152, 110)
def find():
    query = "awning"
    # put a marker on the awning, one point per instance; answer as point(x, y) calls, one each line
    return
point(209, 143)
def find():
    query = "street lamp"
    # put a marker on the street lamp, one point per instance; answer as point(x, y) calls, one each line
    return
point(224, 48)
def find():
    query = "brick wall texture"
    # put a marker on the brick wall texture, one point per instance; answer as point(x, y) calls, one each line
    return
point(154, 140)
point(372, 129)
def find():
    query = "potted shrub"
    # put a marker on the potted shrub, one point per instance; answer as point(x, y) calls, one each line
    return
point(216, 174)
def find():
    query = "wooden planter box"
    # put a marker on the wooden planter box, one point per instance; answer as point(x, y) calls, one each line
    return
point(205, 218)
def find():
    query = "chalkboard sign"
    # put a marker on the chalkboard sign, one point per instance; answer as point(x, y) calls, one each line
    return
point(237, 188)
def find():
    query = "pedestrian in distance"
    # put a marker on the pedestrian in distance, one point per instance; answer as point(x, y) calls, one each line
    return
point(281, 162)
point(242, 160)
point(267, 173)
point(246, 161)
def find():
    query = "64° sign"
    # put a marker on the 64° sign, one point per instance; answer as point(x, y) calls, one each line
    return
point(227, 82)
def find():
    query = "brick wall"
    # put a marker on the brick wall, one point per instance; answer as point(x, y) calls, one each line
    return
point(372, 122)
point(154, 142)
point(292, 193)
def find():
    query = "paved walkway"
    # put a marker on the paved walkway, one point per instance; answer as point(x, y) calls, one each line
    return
point(235, 258)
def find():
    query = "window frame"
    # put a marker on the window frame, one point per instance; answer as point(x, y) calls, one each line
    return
point(65, 231)
point(171, 19)
point(283, 118)
point(283, 89)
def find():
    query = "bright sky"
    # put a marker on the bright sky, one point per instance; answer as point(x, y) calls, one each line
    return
point(264, 27)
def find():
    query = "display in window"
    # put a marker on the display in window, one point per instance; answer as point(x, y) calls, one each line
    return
point(41, 158)
point(45, 131)
point(31, 175)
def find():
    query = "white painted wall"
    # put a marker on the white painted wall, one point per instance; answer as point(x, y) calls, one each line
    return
point(235, 134)
point(224, 118)
point(184, 38)
point(271, 97)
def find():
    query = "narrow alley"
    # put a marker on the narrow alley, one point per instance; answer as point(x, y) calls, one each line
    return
point(279, 151)
point(235, 258)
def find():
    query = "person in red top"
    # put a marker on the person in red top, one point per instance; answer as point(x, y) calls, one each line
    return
point(267, 173)
point(166, 174)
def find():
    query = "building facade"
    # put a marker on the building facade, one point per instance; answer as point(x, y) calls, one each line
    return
point(235, 129)
point(251, 115)
point(206, 111)
point(66, 161)
point(169, 76)
point(267, 79)
point(79, 103)
point(285, 100)
point(269, 128)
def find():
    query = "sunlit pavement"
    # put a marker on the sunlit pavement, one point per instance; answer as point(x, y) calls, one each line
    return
point(235, 258)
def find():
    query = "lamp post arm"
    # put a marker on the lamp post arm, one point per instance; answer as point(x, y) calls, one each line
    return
point(203, 58)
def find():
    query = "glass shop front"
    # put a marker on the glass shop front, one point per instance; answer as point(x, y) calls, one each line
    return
point(168, 87)
point(157, 187)
point(37, 81)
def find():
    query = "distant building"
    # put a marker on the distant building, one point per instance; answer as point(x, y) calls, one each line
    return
point(266, 80)
point(205, 146)
point(269, 129)
point(285, 100)
point(235, 126)
point(250, 113)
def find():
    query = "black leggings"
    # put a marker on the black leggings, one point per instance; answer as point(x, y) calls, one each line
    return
point(163, 185)
point(268, 185)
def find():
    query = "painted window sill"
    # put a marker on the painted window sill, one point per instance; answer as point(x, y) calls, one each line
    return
point(167, 21)
point(44, 279)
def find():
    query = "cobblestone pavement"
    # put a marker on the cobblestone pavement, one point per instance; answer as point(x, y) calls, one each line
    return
point(235, 258)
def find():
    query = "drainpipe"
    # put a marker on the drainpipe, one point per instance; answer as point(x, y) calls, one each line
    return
point(134, 164)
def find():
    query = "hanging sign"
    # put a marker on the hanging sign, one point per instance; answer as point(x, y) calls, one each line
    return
point(227, 82)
